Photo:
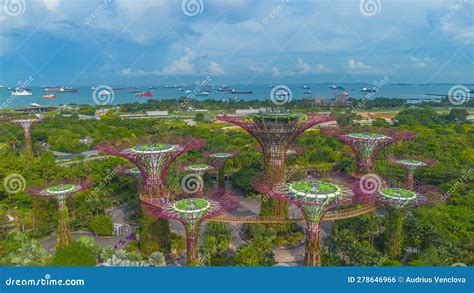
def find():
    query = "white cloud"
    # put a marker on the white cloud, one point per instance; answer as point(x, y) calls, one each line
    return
point(215, 69)
point(321, 68)
point(420, 62)
point(357, 65)
point(302, 66)
point(52, 5)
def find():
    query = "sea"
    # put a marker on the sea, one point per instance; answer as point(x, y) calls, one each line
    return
point(85, 95)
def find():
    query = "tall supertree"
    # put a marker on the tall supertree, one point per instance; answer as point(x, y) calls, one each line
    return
point(219, 159)
point(275, 132)
point(314, 197)
point(26, 125)
point(366, 145)
point(60, 192)
point(191, 212)
point(152, 156)
point(410, 166)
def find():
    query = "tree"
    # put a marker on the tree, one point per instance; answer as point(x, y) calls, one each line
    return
point(75, 254)
point(199, 117)
point(458, 115)
point(102, 225)
point(257, 253)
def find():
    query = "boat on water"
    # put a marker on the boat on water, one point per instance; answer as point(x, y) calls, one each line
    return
point(188, 91)
point(307, 92)
point(50, 96)
point(337, 87)
point(306, 87)
point(152, 87)
point(241, 92)
point(144, 94)
point(203, 94)
point(225, 88)
point(21, 92)
point(60, 89)
point(368, 90)
point(135, 92)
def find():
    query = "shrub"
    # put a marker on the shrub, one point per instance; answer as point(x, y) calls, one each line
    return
point(102, 225)
point(75, 254)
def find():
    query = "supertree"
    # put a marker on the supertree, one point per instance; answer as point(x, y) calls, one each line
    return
point(398, 200)
point(191, 212)
point(133, 172)
point(60, 192)
point(314, 197)
point(410, 165)
point(193, 183)
point(152, 156)
point(275, 133)
point(366, 145)
point(26, 125)
point(219, 159)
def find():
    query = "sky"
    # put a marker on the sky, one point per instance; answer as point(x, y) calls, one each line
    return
point(122, 42)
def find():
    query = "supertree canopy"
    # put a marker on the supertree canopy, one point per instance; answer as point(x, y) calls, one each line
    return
point(191, 212)
point(133, 172)
point(410, 165)
point(314, 197)
point(366, 145)
point(193, 183)
point(275, 132)
point(60, 192)
point(26, 124)
point(152, 156)
point(218, 160)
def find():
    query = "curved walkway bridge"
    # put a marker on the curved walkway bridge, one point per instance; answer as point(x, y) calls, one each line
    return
point(329, 216)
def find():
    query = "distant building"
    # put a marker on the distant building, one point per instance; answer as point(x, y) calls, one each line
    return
point(101, 112)
point(246, 111)
point(157, 113)
point(86, 140)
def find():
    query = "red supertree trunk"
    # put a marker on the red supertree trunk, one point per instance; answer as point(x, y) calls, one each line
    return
point(313, 242)
point(192, 244)
point(63, 232)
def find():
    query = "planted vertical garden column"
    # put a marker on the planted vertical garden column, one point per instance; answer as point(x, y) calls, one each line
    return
point(191, 212)
point(61, 192)
point(26, 125)
point(275, 132)
point(410, 166)
point(219, 160)
point(366, 145)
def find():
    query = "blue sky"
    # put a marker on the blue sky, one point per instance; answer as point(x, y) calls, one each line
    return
point(77, 42)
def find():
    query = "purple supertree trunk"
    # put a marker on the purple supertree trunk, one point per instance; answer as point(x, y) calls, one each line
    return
point(219, 159)
point(366, 146)
point(153, 165)
point(26, 125)
point(218, 202)
point(275, 137)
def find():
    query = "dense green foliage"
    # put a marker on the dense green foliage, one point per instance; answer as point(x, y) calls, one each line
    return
point(440, 234)
point(102, 225)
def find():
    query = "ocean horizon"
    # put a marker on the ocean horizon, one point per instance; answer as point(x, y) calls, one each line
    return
point(259, 92)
